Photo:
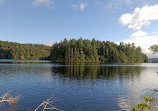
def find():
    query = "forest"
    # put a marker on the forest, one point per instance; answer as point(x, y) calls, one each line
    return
point(84, 50)
point(81, 50)
point(11, 50)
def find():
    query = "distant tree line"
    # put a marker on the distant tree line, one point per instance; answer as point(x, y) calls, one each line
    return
point(11, 50)
point(83, 50)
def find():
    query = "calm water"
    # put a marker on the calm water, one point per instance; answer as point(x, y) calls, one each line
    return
point(105, 87)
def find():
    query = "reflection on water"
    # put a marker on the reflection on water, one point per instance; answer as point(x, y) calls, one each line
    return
point(12, 61)
point(123, 103)
point(97, 72)
point(93, 87)
point(116, 73)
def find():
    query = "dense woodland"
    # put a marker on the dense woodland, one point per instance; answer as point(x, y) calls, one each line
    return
point(11, 50)
point(83, 50)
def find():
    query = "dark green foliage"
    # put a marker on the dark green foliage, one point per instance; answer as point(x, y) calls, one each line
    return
point(11, 50)
point(154, 48)
point(96, 51)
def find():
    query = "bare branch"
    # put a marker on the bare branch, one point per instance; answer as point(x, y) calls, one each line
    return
point(7, 97)
point(48, 104)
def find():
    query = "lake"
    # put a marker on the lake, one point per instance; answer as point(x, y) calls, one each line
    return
point(77, 87)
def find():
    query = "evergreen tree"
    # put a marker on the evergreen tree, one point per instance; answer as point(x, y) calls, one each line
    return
point(96, 51)
point(11, 50)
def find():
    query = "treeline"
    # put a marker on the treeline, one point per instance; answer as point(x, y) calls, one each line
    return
point(11, 50)
point(83, 50)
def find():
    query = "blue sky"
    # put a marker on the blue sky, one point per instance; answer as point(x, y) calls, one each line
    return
point(42, 21)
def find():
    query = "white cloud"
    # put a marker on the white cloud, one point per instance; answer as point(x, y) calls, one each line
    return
point(48, 43)
point(81, 6)
point(139, 34)
point(140, 17)
point(155, 32)
point(47, 3)
point(138, 26)
point(144, 42)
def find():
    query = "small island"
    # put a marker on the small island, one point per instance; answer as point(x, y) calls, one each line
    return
point(84, 50)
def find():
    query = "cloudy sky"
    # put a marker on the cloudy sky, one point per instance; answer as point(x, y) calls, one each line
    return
point(45, 21)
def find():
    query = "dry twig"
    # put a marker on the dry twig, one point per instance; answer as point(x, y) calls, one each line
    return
point(7, 97)
point(48, 104)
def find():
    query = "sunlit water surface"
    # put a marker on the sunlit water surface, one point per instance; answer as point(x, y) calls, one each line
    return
point(77, 87)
